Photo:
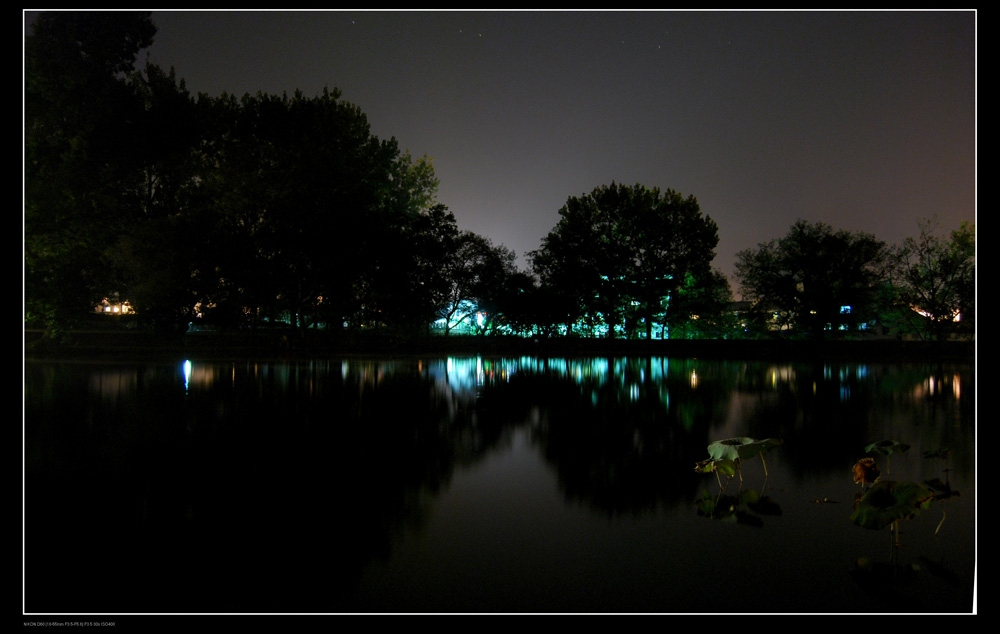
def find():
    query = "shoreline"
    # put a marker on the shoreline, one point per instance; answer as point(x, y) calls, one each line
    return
point(127, 346)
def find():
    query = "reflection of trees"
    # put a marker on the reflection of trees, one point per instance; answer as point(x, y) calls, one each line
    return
point(622, 441)
point(346, 470)
point(267, 488)
point(815, 406)
point(270, 486)
point(624, 433)
point(835, 410)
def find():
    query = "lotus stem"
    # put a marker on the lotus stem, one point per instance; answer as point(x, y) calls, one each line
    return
point(895, 535)
point(894, 544)
point(764, 463)
point(944, 514)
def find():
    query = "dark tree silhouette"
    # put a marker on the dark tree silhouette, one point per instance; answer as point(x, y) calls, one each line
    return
point(817, 277)
point(701, 308)
point(82, 114)
point(618, 253)
point(935, 280)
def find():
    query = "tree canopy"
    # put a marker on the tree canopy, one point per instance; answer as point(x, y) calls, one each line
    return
point(616, 255)
point(815, 277)
point(82, 119)
point(237, 209)
point(245, 210)
point(935, 280)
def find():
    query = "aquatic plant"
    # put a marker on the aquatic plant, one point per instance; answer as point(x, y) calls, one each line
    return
point(724, 466)
point(748, 508)
point(888, 502)
point(942, 491)
point(887, 448)
point(943, 454)
point(740, 449)
point(866, 472)
point(937, 453)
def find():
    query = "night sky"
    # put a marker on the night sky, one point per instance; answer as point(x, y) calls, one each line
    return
point(863, 120)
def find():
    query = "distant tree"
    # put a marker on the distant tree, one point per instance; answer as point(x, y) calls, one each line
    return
point(701, 307)
point(497, 287)
point(934, 279)
point(312, 212)
point(478, 274)
point(522, 307)
point(409, 242)
point(617, 252)
point(81, 108)
point(163, 236)
point(818, 278)
point(429, 242)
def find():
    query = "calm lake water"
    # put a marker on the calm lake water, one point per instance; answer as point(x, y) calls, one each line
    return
point(474, 484)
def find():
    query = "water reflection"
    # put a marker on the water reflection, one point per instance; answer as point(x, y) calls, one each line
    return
point(286, 484)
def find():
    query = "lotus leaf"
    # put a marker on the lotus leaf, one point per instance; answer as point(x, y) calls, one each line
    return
point(942, 490)
point(723, 466)
point(740, 448)
point(887, 447)
point(937, 453)
point(888, 501)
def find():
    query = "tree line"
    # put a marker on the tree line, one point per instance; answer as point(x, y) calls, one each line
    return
point(240, 212)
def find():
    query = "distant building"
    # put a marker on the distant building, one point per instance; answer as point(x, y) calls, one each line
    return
point(114, 307)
